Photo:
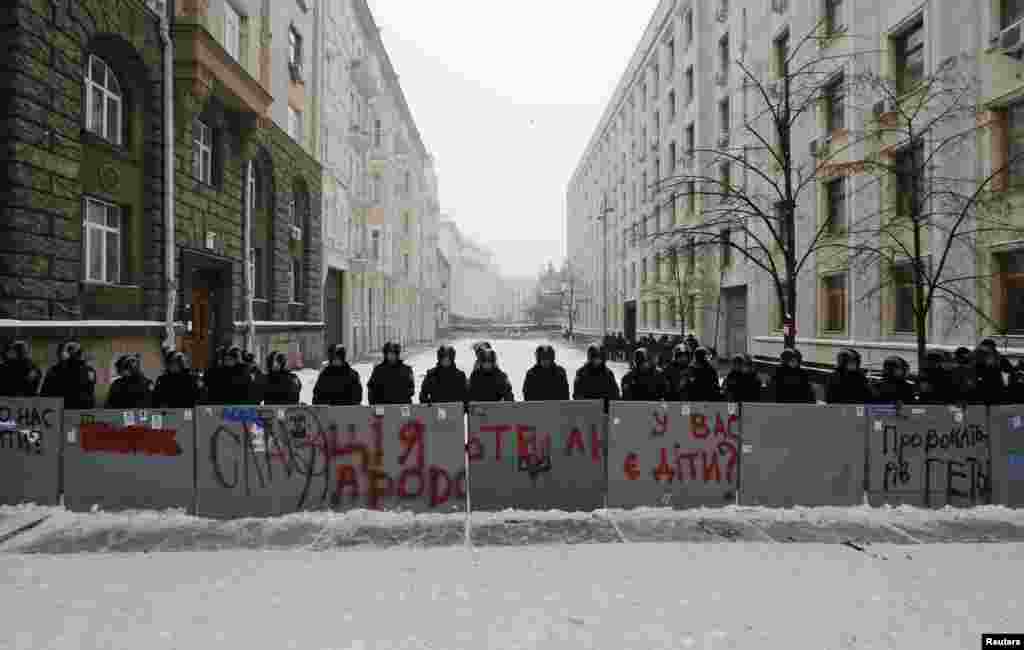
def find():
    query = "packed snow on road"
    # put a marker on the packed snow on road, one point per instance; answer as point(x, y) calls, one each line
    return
point(515, 357)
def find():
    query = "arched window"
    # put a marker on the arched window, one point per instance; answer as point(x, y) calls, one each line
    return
point(103, 101)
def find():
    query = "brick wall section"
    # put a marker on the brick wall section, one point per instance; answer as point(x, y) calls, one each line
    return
point(42, 175)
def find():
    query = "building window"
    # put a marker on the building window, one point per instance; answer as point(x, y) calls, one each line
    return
point(103, 103)
point(834, 17)
point(375, 239)
point(1011, 11)
point(102, 242)
point(723, 116)
point(672, 105)
point(725, 239)
point(902, 278)
point(1010, 295)
point(643, 98)
point(378, 133)
point(643, 271)
point(909, 166)
point(691, 196)
point(296, 280)
point(1015, 142)
point(671, 55)
point(202, 152)
point(689, 27)
point(835, 101)
point(405, 264)
point(689, 85)
point(725, 177)
point(672, 157)
point(910, 57)
point(782, 226)
point(632, 277)
point(691, 255)
point(259, 290)
point(835, 200)
point(643, 195)
point(833, 289)
point(295, 124)
point(723, 57)
point(232, 31)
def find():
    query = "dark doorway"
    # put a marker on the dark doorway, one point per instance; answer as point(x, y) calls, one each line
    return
point(629, 321)
point(208, 305)
point(334, 306)
point(735, 335)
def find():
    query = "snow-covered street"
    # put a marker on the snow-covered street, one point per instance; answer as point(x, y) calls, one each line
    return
point(588, 596)
point(515, 357)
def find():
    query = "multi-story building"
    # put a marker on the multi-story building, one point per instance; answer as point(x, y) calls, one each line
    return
point(380, 193)
point(685, 90)
point(476, 288)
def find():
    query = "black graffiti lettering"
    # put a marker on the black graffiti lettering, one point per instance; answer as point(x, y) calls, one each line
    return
point(218, 472)
point(28, 417)
point(30, 442)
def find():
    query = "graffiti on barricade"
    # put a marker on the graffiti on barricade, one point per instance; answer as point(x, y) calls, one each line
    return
point(707, 454)
point(532, 448)
point(363, 469)
point(954, 460)
point(21, 429)
point(277, 445)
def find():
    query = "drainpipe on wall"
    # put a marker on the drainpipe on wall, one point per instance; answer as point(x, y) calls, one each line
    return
point(170, 284)
point(247, 270)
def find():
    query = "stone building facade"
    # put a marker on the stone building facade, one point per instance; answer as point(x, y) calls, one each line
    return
point(82, 186)
point(82, 182)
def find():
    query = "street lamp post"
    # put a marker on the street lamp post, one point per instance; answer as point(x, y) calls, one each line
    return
point(602, 216)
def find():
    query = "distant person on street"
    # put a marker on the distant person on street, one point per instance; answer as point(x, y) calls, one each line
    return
point(546, 381)
point(279, 386)
point(791, 383)
point(19, 376)
point(847, 384)
point(177, 388)
point(338, 384)
point(445, 383)
point(72, 379)
point(132, 389)
point(594, 380)
point(894, 387)
point(489, 383)
point(644, 382)
point(392, 381)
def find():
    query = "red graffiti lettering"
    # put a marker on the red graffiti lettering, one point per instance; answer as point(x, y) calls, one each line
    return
point(102, 437)
point(691, 458)
point(724, 429)
point(499, 431)
point(730, 466)
point(631, 468)
point(475, 449)
point(699, 427)
point(525, 444)
point(377, 429)
point(411, 437)
point(660, 424)
point(664, 471)
point(596, 444)
point(380, 485)
point(712, 472)
point(347, 478)
point(575, 442)
point(403, 479)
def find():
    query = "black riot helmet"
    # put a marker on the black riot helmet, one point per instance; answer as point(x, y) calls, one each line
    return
point(640, 358)
point(894, 367)
point(545, 353)
point(338, 353)
point(595, 353)
point(446, 352)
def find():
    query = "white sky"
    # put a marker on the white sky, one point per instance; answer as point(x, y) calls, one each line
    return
point(506, 96)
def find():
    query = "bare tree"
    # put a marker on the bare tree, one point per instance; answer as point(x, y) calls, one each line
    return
point(683, 286)
point(778, 184)
point(937, 212)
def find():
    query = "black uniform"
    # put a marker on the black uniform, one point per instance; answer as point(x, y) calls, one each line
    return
point(391, 383)
point(791, 385)
point(674, 372)
point(894, 387)
point(1016, 388)
point(444, 385)
point(279, 385)
point(338, 384)
point(704, 386)
point(546, 384)
point(935, 383)
point(742, 384)
point(231, 383)
point(19, 376)
point(991, 387)
point(177, 388)
point(132, 389)
point(72, 379)
point(644, 382)
point(489, 385)
point(594, 380)
point(846, 385)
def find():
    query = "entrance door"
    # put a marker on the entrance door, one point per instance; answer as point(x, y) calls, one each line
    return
point(629, 321)
point(736, 321)
point(202, 328)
